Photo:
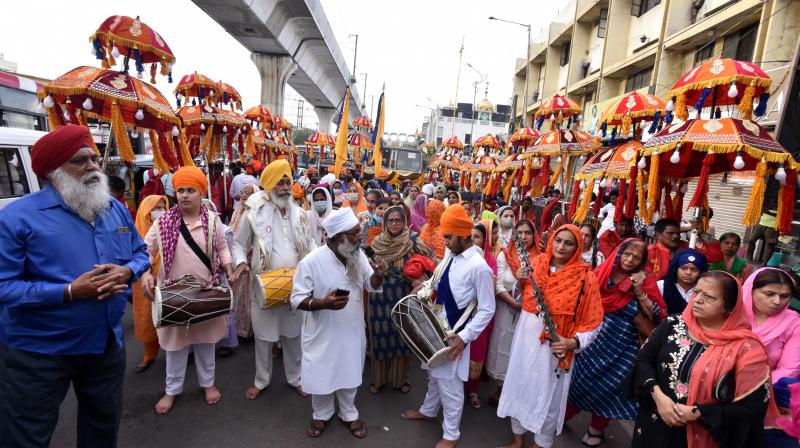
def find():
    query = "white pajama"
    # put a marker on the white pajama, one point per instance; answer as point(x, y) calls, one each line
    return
point(204, 364)
point(448, 395)
point(292, 354)
point(323, 405)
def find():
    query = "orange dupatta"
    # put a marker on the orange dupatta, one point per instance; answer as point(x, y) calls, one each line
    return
point(431, 234)
point(360, 205)
point(572, 294)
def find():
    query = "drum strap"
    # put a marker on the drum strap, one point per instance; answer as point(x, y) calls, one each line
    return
point(187, 236)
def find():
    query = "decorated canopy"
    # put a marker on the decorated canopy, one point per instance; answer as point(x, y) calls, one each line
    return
point(362, 122)
point(453, 142)
point(195, 86)
point(122, 36)
point(524, 136)
point(565, 142)
point(259, 115)
point(632, 106)
point(227, 95)
point(614, 162)
point(488, 141)
point(320, 139)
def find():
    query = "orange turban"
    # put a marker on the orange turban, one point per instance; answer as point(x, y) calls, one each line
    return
point(190, 176)
point(455, 221)
point(297, 191)
point(273, 174)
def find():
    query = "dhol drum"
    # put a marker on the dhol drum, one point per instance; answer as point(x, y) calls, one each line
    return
point(187, 303)
point(277, 286)
point(420, 330)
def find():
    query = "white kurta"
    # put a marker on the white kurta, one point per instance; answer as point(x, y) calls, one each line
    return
point(531, 384)
point(470, 278)
point(334, 341)
point(505, 321)
point(277, 233)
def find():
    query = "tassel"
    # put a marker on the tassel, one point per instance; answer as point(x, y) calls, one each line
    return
point(573, 202)
point(677, 203)
point(173, 147)
point(158, 160)
point(653, 190)
point(73, 119)
point(98, 48)
point(626, 124)
point(526, 178)
point(206, 145)
point(539, 122)
point(240, 145)
point(169, 77)
point(654, 123)
point(556, 173)
point(681, 111)
point(752, 214)
point(598, 201)
point(761, 109)
point(702, 183)
point(229, 146)
point(622, 195)
point(717, 113)
point(586, 200)
point(746, 103)
point(216, 147)
point(613, 136)
point(121, 134)
point(186, 155)
point(82, 121)
point(668, 200)
point(56, 116)
point(166, 151)
point(786, 202)
point(153, 73)
point(700, 101)
point(668, 118)
point(641, 195)
point(249, 144)
point(137, 57)
point(604, 128)
point(630, 202)
point(509, 184)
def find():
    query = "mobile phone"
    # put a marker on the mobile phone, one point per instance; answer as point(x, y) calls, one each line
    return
point(342, 293)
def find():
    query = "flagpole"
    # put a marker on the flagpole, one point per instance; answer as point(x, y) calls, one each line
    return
point(458, 80)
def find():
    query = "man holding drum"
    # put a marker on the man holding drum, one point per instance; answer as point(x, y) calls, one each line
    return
point(276, 229)
point(189, 255)
point(461, 278)
point(329, 285)
point(68, 256)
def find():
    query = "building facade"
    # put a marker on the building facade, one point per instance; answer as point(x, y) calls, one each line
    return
point(596, 50)
point(470, 124)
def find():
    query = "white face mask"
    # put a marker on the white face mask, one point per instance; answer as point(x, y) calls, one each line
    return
point(353, 197)
point(155, 214)
point(320, 206)
point(337, 191)
point(507, 222)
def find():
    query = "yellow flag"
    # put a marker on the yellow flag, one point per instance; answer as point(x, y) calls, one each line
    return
point(341, 137)
point(377, 137)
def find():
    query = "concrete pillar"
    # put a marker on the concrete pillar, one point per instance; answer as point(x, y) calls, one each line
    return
point(275, 71)
point(325, 117)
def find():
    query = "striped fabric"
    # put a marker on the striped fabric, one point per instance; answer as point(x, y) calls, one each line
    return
point(601, 367)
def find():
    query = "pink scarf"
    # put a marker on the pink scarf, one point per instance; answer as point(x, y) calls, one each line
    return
point(775, 326)
point(169, 226)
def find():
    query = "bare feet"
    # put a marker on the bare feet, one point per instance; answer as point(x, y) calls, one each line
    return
point(252, 392)
point(444, 443)
point(517, 443)
point(301, 392)
point(212, 395)
point(414, 414)
point(165, 404)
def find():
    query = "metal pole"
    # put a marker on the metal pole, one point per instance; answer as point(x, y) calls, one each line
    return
point(364, 94)
point(527, 69)
point(458, 80)
point(355, 54)
point(472, 118)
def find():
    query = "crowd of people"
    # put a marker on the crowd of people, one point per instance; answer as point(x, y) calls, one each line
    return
point(693, 344)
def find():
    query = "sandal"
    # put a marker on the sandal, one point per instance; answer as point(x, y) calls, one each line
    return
point(590, 436)
point(475, 400)
point(358, 431)
point(316, 428)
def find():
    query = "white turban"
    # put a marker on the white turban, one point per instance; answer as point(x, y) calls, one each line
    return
point(329, 179)
point(427, 189)
point(339, 221)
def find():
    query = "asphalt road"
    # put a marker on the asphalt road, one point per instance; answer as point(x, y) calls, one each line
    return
point(278, 418)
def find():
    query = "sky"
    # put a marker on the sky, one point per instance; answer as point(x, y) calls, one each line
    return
point(409, 46)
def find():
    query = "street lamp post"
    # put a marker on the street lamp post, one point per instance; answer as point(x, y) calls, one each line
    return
point(527, 66)
point(355, 54)
point(364, 94)
point(474, 99)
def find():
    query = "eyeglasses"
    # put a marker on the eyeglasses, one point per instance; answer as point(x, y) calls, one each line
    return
point(634, 257)
point(394, 221)
point(85, 160)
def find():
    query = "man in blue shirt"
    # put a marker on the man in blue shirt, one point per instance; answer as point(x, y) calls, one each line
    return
point(68, 256)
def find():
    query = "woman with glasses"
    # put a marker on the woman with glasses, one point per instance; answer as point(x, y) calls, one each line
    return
point(389, 356)
point(627, 292)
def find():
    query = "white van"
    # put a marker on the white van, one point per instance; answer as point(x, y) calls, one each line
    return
point(16, 173)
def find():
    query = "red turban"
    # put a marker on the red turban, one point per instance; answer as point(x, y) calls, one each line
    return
point(190, 176)
point(455, 221)
point(58, 146)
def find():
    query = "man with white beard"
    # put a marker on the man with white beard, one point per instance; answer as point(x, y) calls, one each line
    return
point(276, 229)
point(68, 256)
point(329, 285)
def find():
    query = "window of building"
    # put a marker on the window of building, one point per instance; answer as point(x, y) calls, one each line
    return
point(639, 79)
point(467, 139)
point(13, 181)
point(704, 53)
point(603, 23)
point(740, 45)
point(564, 54)
point(588, 97)
point(639, 7)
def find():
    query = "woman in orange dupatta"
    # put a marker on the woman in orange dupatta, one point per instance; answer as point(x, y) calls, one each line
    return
point(703, 377)
point(143, 330)
point(537, 382)
point(355, 200)
point(431, 233)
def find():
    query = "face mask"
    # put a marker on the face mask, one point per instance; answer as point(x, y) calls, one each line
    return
point(377, 219)
point(507, 222)
point(155, 214)
point(353, 197)
point(337, 191)
point(320, 206)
